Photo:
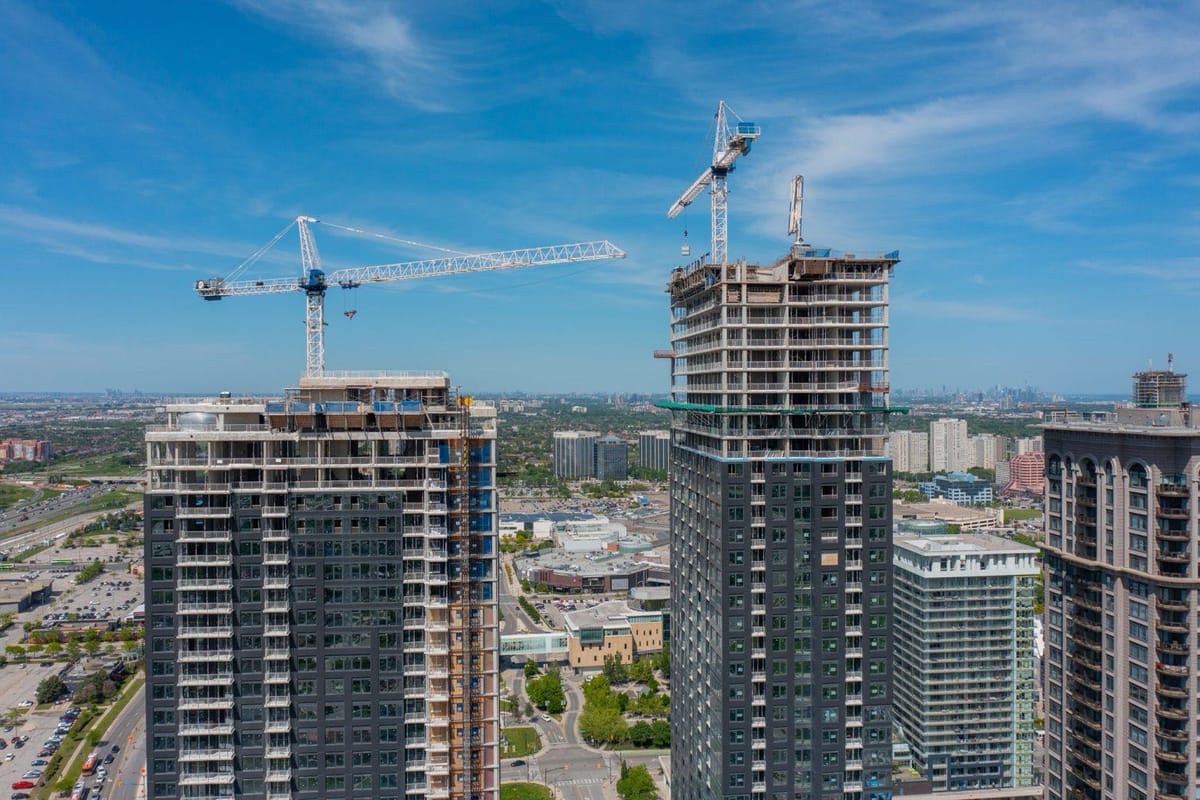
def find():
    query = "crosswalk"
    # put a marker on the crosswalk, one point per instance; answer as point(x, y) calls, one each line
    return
point(582, 782)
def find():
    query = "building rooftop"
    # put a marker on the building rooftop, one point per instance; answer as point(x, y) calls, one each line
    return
point(960, 476)
point(961, 544)
point(613, 613)
point(944, 511)
point(13, 590)
point(585, 564)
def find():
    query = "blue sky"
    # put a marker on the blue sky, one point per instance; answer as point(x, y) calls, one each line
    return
point(1035, 165)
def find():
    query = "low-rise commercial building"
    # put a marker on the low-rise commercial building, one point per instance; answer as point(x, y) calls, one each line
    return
point(961, 488)
point(612, 629)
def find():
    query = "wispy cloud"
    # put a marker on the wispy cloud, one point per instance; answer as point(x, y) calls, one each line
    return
point(107, 244)
point(404, 64)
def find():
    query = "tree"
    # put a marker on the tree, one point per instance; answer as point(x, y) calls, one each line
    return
point(642, 670)
point(531, 669)
point(641, 734)
point(603, 725)
point(526, 586)
point(663, 662)
point(547, 693)
point(614, 670)
point(50, 689)
point(661, 730)
point(635, 783)
point(16, 651)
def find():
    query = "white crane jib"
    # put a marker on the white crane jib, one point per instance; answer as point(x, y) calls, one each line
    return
point(728, 143)
point(314, 281)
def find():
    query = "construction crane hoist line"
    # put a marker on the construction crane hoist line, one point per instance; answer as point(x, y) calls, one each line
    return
point(314, 282)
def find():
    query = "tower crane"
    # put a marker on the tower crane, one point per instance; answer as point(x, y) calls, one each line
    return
point(729, 142)
point(314, 282)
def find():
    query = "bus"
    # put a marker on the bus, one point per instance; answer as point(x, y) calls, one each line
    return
point(89, 766)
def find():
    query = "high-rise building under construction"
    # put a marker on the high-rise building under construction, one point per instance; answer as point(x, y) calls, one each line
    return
point(781, 529)
point(320, 584)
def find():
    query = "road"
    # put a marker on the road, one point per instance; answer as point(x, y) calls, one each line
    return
point(128, 731)
point(33, 509)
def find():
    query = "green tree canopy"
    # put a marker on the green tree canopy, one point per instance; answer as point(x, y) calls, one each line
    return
point(50, 689)
point(635, 783)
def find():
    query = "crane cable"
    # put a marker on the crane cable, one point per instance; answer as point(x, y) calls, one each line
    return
point(361, 232)
point(257, 254)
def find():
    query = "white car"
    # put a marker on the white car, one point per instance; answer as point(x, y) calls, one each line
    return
point(9, 756)
point(25, 704)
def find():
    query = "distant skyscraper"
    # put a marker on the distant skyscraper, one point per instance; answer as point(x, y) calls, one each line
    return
point(654, 450)
point(909, 451)
point(612, 458)
point(983, 448)
point(575, 454)
point(320, 595)
point(780, 530)
point(1122, 596)
point(1027, 444)
point(948, 447)
point(963, 670)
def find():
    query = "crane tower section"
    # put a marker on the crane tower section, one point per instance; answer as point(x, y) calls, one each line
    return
point(729, 142)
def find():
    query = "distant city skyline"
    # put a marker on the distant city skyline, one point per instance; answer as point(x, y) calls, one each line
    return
point(1035, 166)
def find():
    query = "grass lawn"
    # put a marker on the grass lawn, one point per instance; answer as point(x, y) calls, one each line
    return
point(1011, 514)
point(519, 742)
point(525, 791)
point(11, 495)
point(108, 464)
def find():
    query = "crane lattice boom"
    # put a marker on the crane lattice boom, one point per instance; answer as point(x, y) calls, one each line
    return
point(728, 144)
point(314, 282)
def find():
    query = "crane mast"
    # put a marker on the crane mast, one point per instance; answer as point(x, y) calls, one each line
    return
point(728, 143)
point(315, 283)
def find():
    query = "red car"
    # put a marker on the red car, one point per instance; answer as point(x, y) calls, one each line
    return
point(23, 785)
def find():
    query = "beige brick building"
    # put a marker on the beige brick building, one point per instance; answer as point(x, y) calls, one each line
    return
point(612, 628)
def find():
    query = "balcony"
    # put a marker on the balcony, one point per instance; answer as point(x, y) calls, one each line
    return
point(213, 679)
point(1171, 669)
point(196, 656)
point(1172, 489)
point(220, 754)
point(1084, 759)
point(1179, 692)
point(1168, 646)
point(1173, 624)
point(1171, 712)
point(1173, 756)
point(205, 703)
point(1174, 556)
point(204, 560)
point(1173, 512)
point(1174, 734)
point(206, 778)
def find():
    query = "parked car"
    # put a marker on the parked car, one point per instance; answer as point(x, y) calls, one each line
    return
point(23, 784)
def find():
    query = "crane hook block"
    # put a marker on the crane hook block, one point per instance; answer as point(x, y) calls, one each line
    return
point(350, 314)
